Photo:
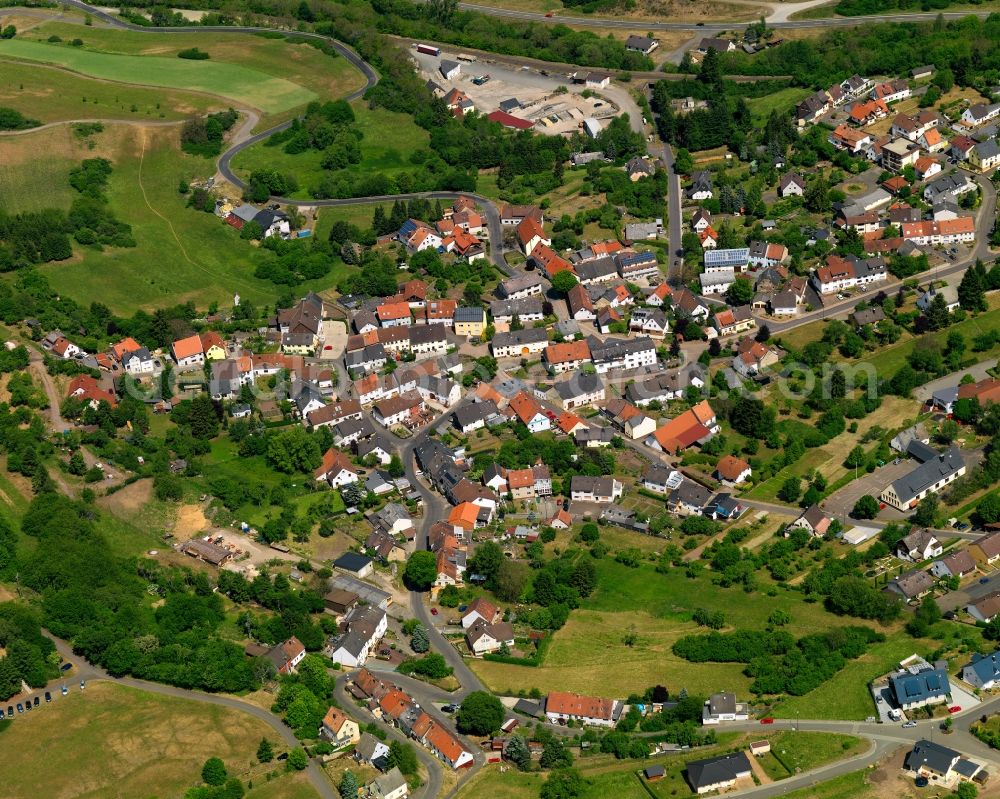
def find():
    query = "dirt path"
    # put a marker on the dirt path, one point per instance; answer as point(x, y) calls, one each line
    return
point(48, 125)
point(149, 205)
point(758, 769)
point(37, 366)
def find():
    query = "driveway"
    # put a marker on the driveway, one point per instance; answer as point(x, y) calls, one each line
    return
point(334, 336)
point(972, 592)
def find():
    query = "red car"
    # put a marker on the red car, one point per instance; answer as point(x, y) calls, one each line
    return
point(954, 709)
point(550, 14)
point(434, 611)
point(767, 720)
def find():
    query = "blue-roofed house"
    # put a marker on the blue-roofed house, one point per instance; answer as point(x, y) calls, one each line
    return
point(984, 671)
point(927, 686)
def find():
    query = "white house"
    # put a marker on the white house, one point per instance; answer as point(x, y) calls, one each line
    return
point(562, 706)
point(366, 626)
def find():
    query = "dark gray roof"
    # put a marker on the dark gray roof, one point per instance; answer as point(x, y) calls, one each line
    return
point(468, 314)
point(924, 685)
point(579, 384)
point(690, 493)
point(921, 451)
point(596, 269)
point(931, 755)
point(474, 412)
point(928, 473)
point(714, 770)
point(352, 561)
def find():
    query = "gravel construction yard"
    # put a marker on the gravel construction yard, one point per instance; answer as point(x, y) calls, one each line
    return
point(564, 112)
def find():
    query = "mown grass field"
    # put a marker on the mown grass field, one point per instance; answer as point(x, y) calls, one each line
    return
point(181, 255)
point(389, 139)
point(112, 741)
point(326, 76)
point(659, 608)
point(239, 83)
point(50, 94)
point(793, 752)
point(849, 786)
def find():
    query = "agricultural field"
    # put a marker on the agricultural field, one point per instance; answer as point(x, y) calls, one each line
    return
point(240, 84)
point(51, 94)
point(291, 59)
point(389, 139)
point(197, 257)
point(115, 741)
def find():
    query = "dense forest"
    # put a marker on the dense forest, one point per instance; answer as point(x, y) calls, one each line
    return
point(966, 46)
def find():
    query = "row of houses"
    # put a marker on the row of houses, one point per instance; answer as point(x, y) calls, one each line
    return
point(395, 706)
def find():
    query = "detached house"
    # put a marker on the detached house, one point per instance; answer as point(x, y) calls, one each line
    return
point(530, 235)
point(918, 546)
point(732, 471)
point(813, 521)
point(955, 564)
point(336, 469)
point(983, 672)
point(595, 489)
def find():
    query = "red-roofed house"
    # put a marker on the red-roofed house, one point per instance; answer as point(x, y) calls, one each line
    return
point(562, 706)
point(188, 351)
point(88, 389)
point(530, 235)
point(682, 431)
point(336, 469)
point(731, 470)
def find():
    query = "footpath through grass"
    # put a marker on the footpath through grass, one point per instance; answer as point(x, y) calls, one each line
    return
point(241, 84)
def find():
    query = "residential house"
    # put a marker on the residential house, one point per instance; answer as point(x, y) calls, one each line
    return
point(339, 728)
point(915, 688)
point(940, 764)
point(651, 321)
point(850, 139)
point(336, 469)
point(526, 310)
point(398, 410)
point(986, 549)
point(701, 219)
point(483, 638)
point(566, 357)
point(519, 343)
point(911, 585)
point(980, 113)
point(688, 498)
point(480, 609)
point(473, 416)
point(641, 44)
point(581, 307)
point(391, 785)
point(753, 357)
point(814, 521)
point(439, 312)
point(763, 253)
point(530, 234)
point(950, 186)
point(791, 185)
point(365, 627)
point(370, 750)
point(986, 608)
point(731, 321)
point(518, 288)
point(732, 471)
point(701, 186)
point(955, 564)
point(718, 773)
point(562, 706)
point(470, 321)
point(695, 424)
point(529, 412)
point(723, 707)
point(286, 655)
point(985, 155)
point(918, 546)
point(595, 489)
point(660, 478)
point(624, 354)
point(188, 352)
point(580, 390)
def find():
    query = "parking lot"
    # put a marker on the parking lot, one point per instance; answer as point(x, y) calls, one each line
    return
point(26, 703)
point(840, 504)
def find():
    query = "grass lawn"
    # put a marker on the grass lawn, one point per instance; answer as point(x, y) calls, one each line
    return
point(802, 751)
point(782, 100)
point(112, 741)
point(52, 95)
point(846, 695)
point(389, 139)
point(768, 490)
point(324, 75)
point(239, 83)
point(360, 215)
point(181, 254)
point(849, 786)
point(659, 607)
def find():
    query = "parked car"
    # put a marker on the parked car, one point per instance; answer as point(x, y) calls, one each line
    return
point(20, 708)
point(48, 696)
point(767, 720)
point(66, 666)
point(983, 580)
point(82, 685)
point(434, 611)
point(35, 702)
point(909, 724)
point(954, 708)
point(449, 708)
point(65, 690)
